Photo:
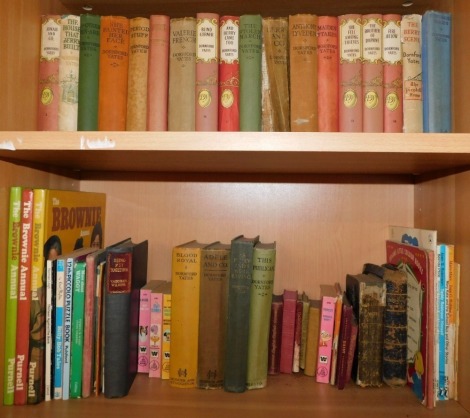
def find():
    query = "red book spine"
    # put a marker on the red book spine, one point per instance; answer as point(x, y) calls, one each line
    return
point(229, 74)
point(393, 73)
point(157, 95)
point(350, 73)
point(275, 335)
point(297, 336)
point(24, 299)
point(288, 330)
point(328, 72)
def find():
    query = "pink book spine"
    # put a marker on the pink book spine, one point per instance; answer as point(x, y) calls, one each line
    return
point(328, 72)
point(157, 81)
point(144, 330)
point(393, 73)
point(350, 73)
point(156, 323)
point(325, 339)
point(288, 330)
point(48, 103)
point(372, 74)
point(207, 71)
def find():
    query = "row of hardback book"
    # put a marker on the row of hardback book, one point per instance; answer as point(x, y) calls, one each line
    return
point(349, 73)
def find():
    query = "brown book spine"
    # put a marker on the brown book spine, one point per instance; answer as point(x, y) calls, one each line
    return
point(275, 334)
point(114, 69)
point(157, 94)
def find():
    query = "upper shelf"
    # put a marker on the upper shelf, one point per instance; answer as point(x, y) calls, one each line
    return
point(237, 152)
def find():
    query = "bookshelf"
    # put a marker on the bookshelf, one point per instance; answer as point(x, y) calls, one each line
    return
point(327, 199)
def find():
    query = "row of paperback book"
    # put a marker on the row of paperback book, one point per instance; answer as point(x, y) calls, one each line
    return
point(351, 73)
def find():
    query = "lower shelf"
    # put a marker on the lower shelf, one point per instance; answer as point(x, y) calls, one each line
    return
point(285, 396)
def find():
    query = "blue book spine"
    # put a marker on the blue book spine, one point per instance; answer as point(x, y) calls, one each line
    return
point(442, 393)
point(67, 328)
point(436, 55)
point(59, 328)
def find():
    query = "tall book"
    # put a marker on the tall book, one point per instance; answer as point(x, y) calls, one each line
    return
point(207, 71)
point(24, 299)
point(437, 71)
point(288, 330)
point(412, 73)
point(344, 342)
point(328, 67)
point(393, 73)
point(238, 312)
point(157, 82)
point(186, 283)
point(275, 335)
point(136, 118)
point(250, 45)
point(13, 256)
point(229, 74)
point(126, 273)
point(303, 62)
point(182, 75)
point(68, 72)
point(215, 270)
point(275, 94)
point(48, 94)
point(88, 72)
point(155, 328)
point(166, 331)
point(264, 266)
point(114, 70)
point(311, 352)
point(367, 294)
point(98, 337)
point(451, 325)
point(372, 73)
point(350, 73)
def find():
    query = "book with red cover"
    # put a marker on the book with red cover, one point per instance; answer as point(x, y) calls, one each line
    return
point(288, 330)
point(297, 336)
point(328, 67)
point(275, 335)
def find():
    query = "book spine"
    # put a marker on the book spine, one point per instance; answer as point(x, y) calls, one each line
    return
point(343, 346)
point(335, 344)
point(412, 74)
point(328, 72)
point(166, 336)
point(144, 328)
point(67, 343)
point(352, 350)
point(372, 73)
point(229, 74)
point(303, 343)
point(275, 335)
point(48, 103)
point(114, 70)
point(393, 73)
point(264, 265)
point(11, 303)
point(297, 337)
point(99, 334)
point(350, 73)
point(155, 333)
point(49, 352)
point(136, 119)
point(250, 45)
point(69, 59)
point(311, 351)
point(59, 327)
point(442, 387)
point(451, 325)
point(157, 84)
point(288, 331)
point(325, 340)
point(207, 71)
point(88, 73)
point(303, 59)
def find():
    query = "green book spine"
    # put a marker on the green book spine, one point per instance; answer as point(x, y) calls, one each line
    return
point(14, 226)
point(77, 330)
point(250, 48)
point(89, 63)
point(264, 262)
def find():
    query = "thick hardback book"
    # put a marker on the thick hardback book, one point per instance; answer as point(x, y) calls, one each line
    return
point(166, 331)
point(182, 75)
point(344, 343)
point(350, 73)
point(288, 330)
point(48, 83)
point(275, 94)
point(311, 352)
point(114, 70)
point(14, 233)
point(207, 71)
point(238, 313)
point(229, 74)
point(215, 270)
point(250, 46)
point(88, 72)
point(437, 71)
point(393, 73)
point(126, 273)
point(303, 72)
point(186, 283)
point(136, 119)
point(412, 73)
point(367, 294)
point(275, 335)
point(372, 73)
point(328, 62)
point(157, 82)
point(264, 266)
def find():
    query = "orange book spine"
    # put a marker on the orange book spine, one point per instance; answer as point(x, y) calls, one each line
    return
point(114, 69)
point(157, 95)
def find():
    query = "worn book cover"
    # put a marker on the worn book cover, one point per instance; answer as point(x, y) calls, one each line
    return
point(311, 353)
point(344, 342)
point(275, 335)
point(288, 330)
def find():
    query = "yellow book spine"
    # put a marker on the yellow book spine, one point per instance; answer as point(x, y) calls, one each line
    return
point(166, 336)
